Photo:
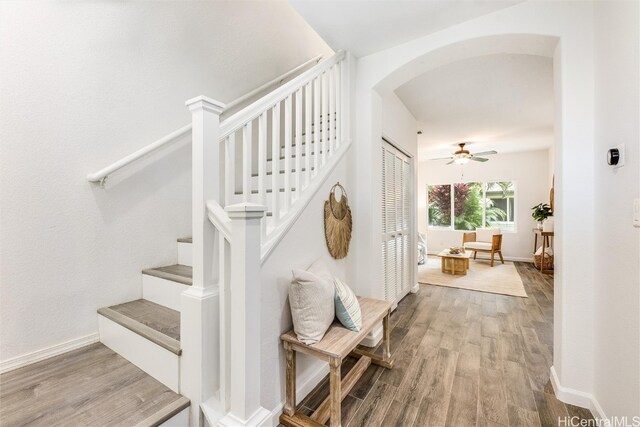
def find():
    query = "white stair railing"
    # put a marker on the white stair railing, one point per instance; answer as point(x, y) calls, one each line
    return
point(275, 148)
point(270, 157)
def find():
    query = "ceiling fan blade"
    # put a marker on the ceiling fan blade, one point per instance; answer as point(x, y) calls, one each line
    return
point(485, 153)
point(478, 159)
point(450, 162)
point(441, 158)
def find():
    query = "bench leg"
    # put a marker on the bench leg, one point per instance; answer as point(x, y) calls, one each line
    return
point(336, 392)
point(290, 385)
point(387, 338)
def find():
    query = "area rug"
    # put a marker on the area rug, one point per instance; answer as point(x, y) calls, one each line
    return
point(500, 279)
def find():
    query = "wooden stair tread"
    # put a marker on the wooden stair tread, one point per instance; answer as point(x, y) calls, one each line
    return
point(89, 386)
point(177, 273)
point(155, 322)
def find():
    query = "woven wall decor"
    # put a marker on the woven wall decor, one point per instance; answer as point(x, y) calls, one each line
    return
point(337, 223)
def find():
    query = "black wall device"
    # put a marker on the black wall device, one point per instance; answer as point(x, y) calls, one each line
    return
point(613, 156)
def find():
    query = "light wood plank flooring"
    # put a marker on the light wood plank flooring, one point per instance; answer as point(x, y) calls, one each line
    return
point(463, 358)
point(91, 386)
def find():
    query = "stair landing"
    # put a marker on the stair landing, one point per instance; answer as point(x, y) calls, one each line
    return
point(91, 386)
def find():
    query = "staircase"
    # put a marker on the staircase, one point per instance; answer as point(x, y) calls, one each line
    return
point(196, 327)
point(146, 331)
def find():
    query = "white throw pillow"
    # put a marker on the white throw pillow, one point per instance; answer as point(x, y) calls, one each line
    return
point(486, 234)
point(311, 297)
point(347, 306)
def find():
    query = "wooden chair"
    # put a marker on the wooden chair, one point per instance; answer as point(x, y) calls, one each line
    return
point(334, 347)
point(487, 240)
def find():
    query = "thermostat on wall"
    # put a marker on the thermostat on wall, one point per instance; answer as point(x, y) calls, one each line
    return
point(615, 156)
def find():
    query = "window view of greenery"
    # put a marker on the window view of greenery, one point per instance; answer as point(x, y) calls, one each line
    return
point(439, 201)
point(467, 206)
point(501, 196)
point(475, 205)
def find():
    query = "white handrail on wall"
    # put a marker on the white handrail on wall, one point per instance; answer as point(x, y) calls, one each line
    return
point(101, 175)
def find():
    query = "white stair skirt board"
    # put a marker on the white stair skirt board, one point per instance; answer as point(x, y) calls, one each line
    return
point(185, 254)
point(576, 397)
point(162, 291)
point(181, 419)
point(45, 353)
point(156, 361)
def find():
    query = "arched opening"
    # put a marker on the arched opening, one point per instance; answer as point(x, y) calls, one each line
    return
point(383, 73)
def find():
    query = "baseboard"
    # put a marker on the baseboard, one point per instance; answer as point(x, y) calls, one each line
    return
point(576, 397)
point(45, 353)
point(302, 391)
point(484, 256)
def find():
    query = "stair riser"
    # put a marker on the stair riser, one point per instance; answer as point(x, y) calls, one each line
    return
point(156, 361)
point(162, 291)
point(185, 254)
point(180, 419)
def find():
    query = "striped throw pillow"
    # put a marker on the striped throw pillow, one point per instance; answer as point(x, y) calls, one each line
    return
point(347, 306)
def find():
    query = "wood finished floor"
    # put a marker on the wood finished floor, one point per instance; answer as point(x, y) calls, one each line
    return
point(91, 386)
point(463, 358)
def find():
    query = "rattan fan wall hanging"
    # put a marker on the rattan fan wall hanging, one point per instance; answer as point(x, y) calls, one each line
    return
point(337, 223)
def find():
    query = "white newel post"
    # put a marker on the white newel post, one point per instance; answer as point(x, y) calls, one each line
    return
point(245, 308)
point(199, 375)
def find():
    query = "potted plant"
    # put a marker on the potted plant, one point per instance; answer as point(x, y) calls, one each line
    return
point(541, 212)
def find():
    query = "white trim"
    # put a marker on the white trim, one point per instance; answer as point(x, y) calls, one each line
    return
point(576, 397)
point(301, 392)
point(45, 353)
point(485, 257)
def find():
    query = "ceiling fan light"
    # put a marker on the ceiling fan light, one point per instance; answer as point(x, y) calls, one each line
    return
point(461, 160)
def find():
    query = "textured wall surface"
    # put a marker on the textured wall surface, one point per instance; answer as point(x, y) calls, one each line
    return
point(84, 84)
point(617, 121)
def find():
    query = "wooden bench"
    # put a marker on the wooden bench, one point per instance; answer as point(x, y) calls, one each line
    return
point(335, 346)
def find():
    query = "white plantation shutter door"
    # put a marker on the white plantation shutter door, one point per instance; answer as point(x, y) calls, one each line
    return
point(396, 220)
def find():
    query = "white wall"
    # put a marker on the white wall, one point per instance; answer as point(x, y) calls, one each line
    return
point(301, 246)
point(398, 124)
point(84, 84)
point(617, 250)
point(528, 169)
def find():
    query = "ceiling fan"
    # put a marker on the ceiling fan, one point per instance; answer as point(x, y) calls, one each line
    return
point(463, 156)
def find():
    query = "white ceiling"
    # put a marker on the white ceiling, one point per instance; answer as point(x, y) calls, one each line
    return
point(365, 26)
point(498, 102)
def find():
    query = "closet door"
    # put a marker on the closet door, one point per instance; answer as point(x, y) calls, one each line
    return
point(396, 222)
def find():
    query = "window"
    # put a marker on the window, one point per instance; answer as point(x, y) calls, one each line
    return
point(500, 205)
point(470, 205)
point(467, 206)
point(439, 202)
